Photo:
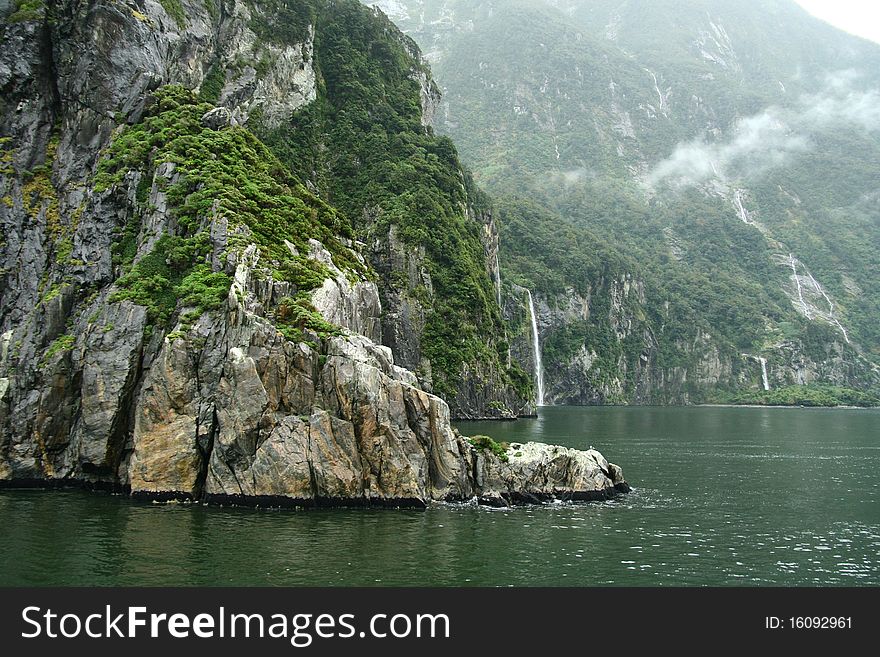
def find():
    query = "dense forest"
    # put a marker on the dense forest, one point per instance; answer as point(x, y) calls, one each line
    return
point(723, 154)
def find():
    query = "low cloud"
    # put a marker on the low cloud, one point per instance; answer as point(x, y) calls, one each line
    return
point(759, 142)
point(771, 138)
point(841, 102)
point(572, 176)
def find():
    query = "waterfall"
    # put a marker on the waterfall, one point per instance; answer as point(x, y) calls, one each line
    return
point(793, 262)
point(764, 378)
point(744, 214)
point(498, 271)
point(539, 366)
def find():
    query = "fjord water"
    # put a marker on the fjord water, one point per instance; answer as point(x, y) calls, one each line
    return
point(722, 496)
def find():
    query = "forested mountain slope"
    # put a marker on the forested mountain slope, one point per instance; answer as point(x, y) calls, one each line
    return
point(718, 158)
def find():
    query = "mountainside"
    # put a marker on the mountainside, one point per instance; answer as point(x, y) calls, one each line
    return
point(212, 215)
point(429, 233)
point(712, 164)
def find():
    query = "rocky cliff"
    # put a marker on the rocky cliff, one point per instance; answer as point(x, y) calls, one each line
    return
point(181, 316)
point(366, 145)
point(340, 97)
point(599, 348)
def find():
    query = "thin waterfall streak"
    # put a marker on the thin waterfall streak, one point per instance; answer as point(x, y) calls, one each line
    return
point(498, 272)
point(797, 281)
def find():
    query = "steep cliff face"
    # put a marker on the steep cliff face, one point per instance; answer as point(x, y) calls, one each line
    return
point(365, 144)
point(599, 348)
point(85, 224)
point(180, 316)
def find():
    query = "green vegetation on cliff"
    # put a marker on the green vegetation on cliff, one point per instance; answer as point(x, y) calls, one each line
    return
point(296, 315)
point(174, 8)
point(27, 10)
point(363, 145)
point(174, 272)
point(224, 175)
point(486, 443)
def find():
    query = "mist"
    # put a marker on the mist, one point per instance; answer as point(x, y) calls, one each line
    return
point(842, 102)
point(773, 137)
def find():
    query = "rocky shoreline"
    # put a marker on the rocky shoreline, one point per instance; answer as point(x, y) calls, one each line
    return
point(230, 411)
point(539, 474)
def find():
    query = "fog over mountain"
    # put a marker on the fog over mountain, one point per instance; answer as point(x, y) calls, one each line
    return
point(770, 138)
point(719, 158)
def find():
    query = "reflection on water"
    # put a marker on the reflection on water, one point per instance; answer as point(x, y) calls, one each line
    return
point(722, 496)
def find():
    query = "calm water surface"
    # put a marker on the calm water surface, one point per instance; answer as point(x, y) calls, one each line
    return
point(722, 496)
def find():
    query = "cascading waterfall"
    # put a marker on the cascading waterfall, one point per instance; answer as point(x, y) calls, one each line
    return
point(498, 269)
point(536, 341)
point(794, 274)
point(764, 377)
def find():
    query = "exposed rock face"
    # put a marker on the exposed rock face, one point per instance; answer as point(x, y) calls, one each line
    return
point(218, 118)
point(631, 372)
point(221, 405)
point(289, 83)
point(536, 472)
point(791, 363)
point(408, 294)
point(233, 411)
point(251, 414)
point(354, 305)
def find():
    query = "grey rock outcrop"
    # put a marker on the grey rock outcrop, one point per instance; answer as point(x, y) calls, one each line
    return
point(247, 416)
point(408, 293)
point(354, 305)
point(535, 472)
point(217, 118)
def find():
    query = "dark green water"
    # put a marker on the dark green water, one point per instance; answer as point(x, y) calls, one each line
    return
point(723, 496)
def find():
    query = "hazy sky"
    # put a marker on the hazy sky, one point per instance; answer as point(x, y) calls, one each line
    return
point(860, 17)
